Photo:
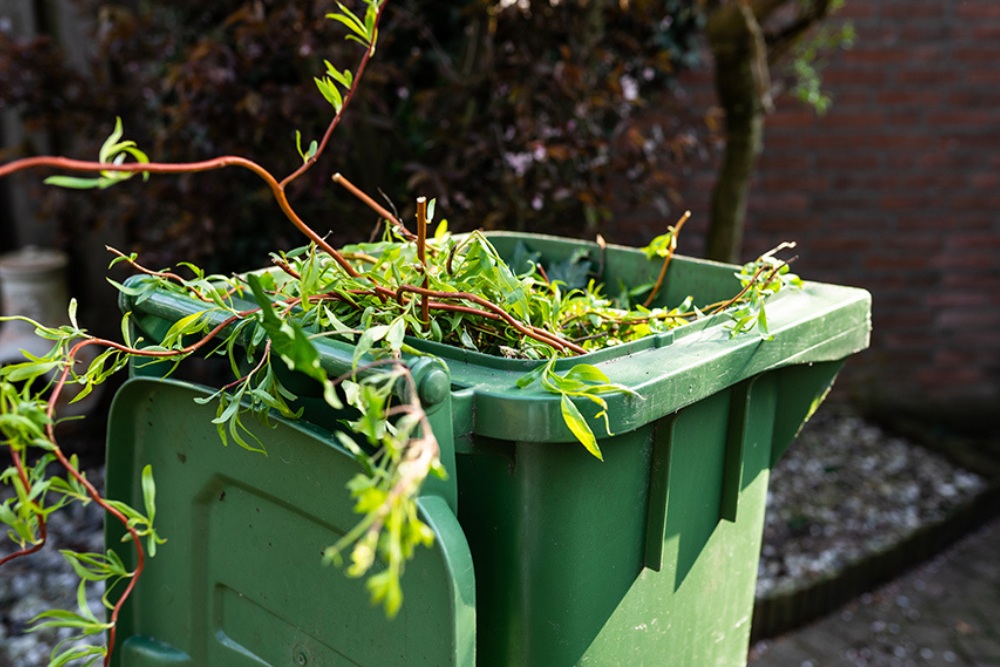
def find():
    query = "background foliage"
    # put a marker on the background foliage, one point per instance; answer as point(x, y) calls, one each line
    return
point(524, 116)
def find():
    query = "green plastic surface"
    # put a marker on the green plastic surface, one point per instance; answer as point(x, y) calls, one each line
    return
point(240, 580)
point(647, 558)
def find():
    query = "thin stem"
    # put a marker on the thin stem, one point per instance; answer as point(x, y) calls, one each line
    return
point(166, 275)
point(533, 332)
point(277, 189)
point(383, 212)
point(425, 316)
point(348, 96)
point(94, 494)
point(674, 232)
point(750, 283)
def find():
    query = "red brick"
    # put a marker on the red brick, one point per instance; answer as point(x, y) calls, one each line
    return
point(907, 97)
point(788, 162)
point(790, 182)
point(971, 318)
point(823, 141)
point(906, 201)
point(883, 317)
point(849, 99)
point(967, 241)
point(941, 378)
point(870, 119)
point(986, 181)
point(835, 78)
point(965, 117)
point(906, 206)
point(982, 56)
point(978, 9)
point(984, 32)
point(924, 77)
point(922, 32)
point(958, 300)
point(858, 10)
point(981, 77)
point(913, 10)
point(835, 160)
point(934, 181)
point(792, 116)
point(921, 340)
point(977, 202)
point(873, 56)
point(975, 97)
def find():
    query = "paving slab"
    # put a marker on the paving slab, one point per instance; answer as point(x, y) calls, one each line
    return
point(945, 612)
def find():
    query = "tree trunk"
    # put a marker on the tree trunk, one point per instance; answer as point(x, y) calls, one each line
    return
point(738, 92)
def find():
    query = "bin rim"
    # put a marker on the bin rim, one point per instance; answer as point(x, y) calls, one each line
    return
point(816, 323)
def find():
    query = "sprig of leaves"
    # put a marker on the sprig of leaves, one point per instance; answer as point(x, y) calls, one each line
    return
point(363, 30)
point(760, 279)
point(113, 151)
point(399, 454)
point(581, 381)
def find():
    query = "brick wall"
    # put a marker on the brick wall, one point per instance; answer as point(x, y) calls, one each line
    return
point(896, 189)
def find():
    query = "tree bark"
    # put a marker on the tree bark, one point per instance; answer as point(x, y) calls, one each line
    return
point(744, 128)
point(742, 58)
point(737, 88)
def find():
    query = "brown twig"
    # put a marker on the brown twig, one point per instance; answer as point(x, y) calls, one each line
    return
point(750, 283)
point(674, 232)
point(94, 494)
point(534, 332)
point(342, 181)
point(422, 256)
point(348, 96)
point(165, 275)
point(277, 189)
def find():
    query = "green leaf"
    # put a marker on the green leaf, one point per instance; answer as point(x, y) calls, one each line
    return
point(579, 426)
point(107, 151)
point(394, 336)
point(287, 338)
point(587, 373)
point(149, 493)
point(531, 376)
point(186, 325)
point(330, 92)
point(73, 182)
point(345, 78)
point(313, 147)
point(368, 338)
point(349, 19)
point(77, 652)
point(28, 370)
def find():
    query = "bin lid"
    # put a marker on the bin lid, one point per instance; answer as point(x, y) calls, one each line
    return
point(240, 579)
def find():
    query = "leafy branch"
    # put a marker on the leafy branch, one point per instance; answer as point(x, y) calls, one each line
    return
point(391, 477)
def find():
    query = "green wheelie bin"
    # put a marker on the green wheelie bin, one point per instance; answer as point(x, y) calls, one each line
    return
point(544, 555)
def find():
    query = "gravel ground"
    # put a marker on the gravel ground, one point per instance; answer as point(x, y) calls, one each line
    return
point(844, 489)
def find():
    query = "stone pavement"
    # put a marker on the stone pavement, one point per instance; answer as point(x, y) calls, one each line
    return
point(945, 612)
